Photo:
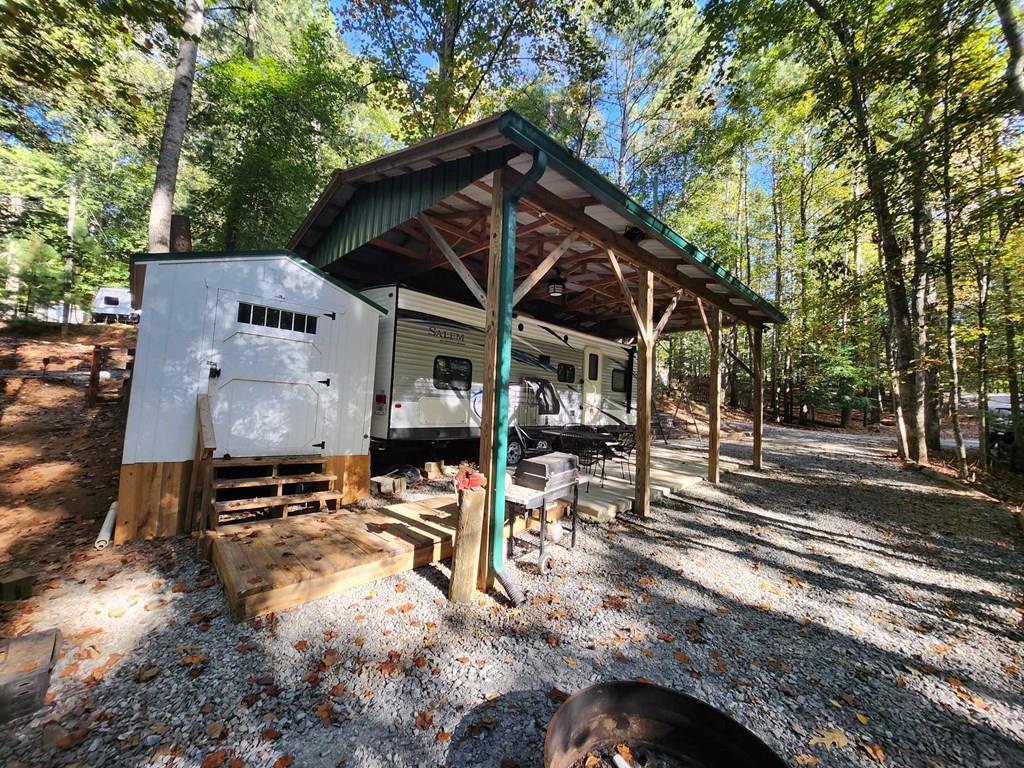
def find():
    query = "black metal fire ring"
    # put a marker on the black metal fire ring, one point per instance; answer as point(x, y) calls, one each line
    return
point(660, 726)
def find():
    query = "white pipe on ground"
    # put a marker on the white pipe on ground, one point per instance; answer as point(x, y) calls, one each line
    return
point(107, 530)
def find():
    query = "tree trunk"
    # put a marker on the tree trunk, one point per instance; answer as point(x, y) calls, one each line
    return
point(982, 277)
point(902, 445)
point(777, 227)
point(174, 130)
point(69, 262)
point(1015, 45)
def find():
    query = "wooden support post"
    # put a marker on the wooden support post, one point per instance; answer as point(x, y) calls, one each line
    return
point(714, 330)
point(485, 576)
point(757, 392)
point(644, 394)
point(469, 531)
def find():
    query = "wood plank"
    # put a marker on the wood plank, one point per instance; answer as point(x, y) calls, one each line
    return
point(714, 317)
point(466, 545)
point(485, 573)
point(627, 295)
point(262, 461)
point(644, 393)
point(543, 268)
point(274, 501)
point(757, 393)
point(256, 482)
point(453, 259)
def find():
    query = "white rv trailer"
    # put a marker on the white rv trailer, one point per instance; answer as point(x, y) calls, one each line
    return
point(428, 380)
point(113, 304)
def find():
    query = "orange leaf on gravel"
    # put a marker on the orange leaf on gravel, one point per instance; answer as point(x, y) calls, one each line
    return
point(424, 720)
point(400, 586)
point(444, 736)
point(337, 691)
point(331, 657)
point(806, 759)
point(72, 739)
point(215, 759)
point(875, 752)
point(193, 659)
point(325, 712)
point(301, 645)
point(236, 762)
point(271, 734)
point(406, 607)
point(666, 637)
point(181, 586)
point(681, 657)
point(284, 761)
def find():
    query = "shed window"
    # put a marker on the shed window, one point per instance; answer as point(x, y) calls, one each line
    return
point(592, 366)
point(566, 373)
point(618, 380)
point(111, 301)
point(453, 373)
point(254, 314)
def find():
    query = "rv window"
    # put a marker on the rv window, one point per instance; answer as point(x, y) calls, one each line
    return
point(566, 373)
point(111, 301)
point(453, 373)
point(592, 366)
point(244, 312)
point(618, 380)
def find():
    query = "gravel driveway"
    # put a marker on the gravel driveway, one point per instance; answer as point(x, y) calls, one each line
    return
point(835, 595)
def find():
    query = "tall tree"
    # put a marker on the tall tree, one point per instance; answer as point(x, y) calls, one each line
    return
point(162, 204)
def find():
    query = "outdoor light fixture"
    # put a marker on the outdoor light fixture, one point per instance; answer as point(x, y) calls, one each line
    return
point(556, 284)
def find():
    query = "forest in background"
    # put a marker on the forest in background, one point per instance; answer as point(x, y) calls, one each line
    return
point(858, 163)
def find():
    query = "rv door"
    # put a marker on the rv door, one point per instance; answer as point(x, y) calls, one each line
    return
point(592, 364)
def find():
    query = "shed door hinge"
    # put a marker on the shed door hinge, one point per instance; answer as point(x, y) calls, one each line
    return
point(321, 445)
point(332, 315)
point(326, 382)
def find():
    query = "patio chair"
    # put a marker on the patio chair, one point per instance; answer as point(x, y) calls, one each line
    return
point(623, 452)
point(590, 453)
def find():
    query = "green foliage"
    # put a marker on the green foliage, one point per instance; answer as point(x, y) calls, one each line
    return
point(267, 136)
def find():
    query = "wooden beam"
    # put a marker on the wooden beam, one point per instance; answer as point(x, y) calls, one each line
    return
point(455, 261)
point(640, 326)
point(644, 395)
point(667, 314)
point(542, 269)
point(485, 574)
point(736, 359)
point(714, 321)
point(757, 392)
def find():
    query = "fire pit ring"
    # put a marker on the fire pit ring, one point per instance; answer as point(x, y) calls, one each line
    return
point(661, 727)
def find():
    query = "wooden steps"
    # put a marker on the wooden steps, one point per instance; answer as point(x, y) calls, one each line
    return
point(252, 488)
point(260, 502)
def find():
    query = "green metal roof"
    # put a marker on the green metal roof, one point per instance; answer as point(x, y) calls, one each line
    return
point(143, 258)
point(362, 203)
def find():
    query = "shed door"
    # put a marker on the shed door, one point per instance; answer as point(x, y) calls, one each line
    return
point(272, 390)
point(592, 364)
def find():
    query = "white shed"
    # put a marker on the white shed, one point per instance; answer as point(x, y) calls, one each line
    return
point(285, 355)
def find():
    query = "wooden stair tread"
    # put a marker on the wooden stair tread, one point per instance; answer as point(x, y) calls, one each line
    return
point(254, 482)
point(264, 461)
point(274, 501)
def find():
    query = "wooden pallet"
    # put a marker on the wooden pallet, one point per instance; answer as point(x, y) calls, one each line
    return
point(273, 485)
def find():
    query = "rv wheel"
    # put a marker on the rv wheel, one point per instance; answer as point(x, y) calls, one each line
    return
point(515, 453)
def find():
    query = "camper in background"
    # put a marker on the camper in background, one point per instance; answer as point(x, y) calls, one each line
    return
point(113, 305)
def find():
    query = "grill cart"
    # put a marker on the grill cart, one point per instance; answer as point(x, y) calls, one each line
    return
point(538, 480)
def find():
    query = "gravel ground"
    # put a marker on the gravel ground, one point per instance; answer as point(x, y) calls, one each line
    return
point(835, 592)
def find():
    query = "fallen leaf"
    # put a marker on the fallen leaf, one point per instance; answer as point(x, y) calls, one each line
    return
point(215, 730)
point(146, 674)
point(805, 759)
point(829, 738)
point(115, 613)
point(72, 739)
point(420, 662)
point(666, 637)
point(181, 586)
point(332, 657)
point(337, 691)
point(625, 753)
point(215, 759)
point(424, 720)
point(245, 647)
point(192, 659)
point(400, 586)
point(284, 761)
point(593, 761)
point(391, 665)
point(557, 694)
point(444, 736)
point(325, 712)
point(301, 645)
point(271, 734)
point(236, 762)
point(570, 661)
point(875, 752)
point(406, 607)
point(862, 718)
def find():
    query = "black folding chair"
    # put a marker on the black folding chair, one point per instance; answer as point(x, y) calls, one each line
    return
point(623, 451)
point(591, 454)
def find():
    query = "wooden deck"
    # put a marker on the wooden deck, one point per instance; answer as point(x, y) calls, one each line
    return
point(277, 564)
